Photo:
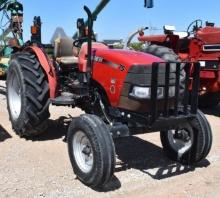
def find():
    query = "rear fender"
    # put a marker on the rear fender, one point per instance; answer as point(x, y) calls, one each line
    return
point(83, 55)
point(48, 68)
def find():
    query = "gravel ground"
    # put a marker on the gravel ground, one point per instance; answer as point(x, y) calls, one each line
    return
point(40, 167)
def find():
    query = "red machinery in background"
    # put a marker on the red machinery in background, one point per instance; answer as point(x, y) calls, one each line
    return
point(198, 43)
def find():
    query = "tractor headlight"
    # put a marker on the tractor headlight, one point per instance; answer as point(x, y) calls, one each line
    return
point(141, 92)
point(145, 92)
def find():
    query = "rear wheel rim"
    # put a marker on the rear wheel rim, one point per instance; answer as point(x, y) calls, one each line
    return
point(83, 152)
point(14, 96)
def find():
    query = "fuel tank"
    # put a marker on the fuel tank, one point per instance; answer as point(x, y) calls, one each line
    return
point(209, 35)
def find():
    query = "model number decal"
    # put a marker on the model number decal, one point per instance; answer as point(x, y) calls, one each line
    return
point(104, 61)
point(97, 59)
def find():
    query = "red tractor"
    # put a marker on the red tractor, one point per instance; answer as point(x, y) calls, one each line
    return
point(198, 43)
point(122, 92)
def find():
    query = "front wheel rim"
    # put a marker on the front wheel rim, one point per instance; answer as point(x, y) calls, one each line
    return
point(181, 141)
point(14, 96)
point(83, 152)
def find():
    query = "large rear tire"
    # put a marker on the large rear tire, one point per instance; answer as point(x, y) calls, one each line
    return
point(195, 138)
point(27, 95)
point(165, 54)
point(91, 150)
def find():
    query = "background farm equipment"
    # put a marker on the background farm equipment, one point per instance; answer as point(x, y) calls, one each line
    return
point(198, 43)
point(12, 33)
point(11, 25)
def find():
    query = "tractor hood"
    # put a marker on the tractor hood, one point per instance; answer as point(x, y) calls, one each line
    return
point(209, 35)
point(111, 68)
point(126, 58)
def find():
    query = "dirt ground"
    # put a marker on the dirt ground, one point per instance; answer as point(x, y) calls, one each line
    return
point(40, 167)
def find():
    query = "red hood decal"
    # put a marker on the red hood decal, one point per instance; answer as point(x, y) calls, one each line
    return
point(126, 57)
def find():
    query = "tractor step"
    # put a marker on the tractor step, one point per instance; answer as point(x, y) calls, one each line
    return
point(66, 99)
point(62, 101)
point(119, 130)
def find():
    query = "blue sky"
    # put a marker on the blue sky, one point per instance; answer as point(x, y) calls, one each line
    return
point(119, 17)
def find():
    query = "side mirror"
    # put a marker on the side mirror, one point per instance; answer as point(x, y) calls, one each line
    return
point(148, 3)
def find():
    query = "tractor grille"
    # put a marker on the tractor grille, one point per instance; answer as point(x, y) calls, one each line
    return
point(166, 75)
point(142, 74)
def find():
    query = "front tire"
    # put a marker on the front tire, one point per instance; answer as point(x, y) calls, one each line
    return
point(91, 150)
point(191, 143)
point(27, 95)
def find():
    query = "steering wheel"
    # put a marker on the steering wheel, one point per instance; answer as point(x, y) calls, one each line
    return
point(194, 26)
point(78, 42)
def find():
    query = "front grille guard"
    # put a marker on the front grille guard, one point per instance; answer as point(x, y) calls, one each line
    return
point(189, 105)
